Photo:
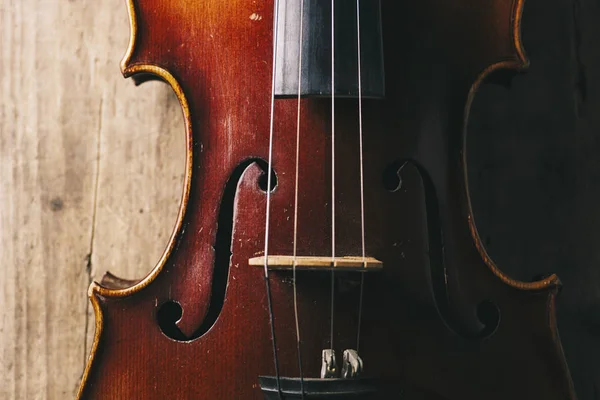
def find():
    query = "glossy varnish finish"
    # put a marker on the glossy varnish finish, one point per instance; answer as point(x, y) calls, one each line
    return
point(421, 328)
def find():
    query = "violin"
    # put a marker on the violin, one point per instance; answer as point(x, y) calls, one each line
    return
point(325, 245)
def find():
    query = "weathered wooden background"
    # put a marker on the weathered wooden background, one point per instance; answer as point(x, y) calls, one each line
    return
point(90, 179)
point(91, 172)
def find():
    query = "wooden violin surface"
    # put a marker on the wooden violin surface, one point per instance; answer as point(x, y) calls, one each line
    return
point(440, 320)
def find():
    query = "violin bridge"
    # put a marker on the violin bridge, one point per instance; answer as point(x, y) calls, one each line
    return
point(312, 263)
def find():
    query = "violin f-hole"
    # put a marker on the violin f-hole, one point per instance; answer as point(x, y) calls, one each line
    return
point(486, 314)
point(169, 313)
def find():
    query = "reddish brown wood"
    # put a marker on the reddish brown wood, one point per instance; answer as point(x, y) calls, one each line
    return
point(423, 336)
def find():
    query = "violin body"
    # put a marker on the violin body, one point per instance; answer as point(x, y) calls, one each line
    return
point(439, 321)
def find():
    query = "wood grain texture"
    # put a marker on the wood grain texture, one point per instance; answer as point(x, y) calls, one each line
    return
point(90, 180)
point(533, 168)
point(205, 50)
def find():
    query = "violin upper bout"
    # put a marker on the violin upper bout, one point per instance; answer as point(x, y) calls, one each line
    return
point(143, 64)
point(125, 62)
point(508, 46)
point(522, 60)
point(137, 70)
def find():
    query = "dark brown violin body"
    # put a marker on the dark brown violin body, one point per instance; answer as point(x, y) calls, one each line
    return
point(440, 321)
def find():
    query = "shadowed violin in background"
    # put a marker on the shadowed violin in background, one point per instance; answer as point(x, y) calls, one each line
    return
point(325, 245)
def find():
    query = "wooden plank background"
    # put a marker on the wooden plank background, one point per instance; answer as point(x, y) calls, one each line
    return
point(91, 173)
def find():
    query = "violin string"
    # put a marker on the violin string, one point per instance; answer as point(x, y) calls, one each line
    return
point(298, 339)
point(268, 212)
point(332, 168)
point(362, 185)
